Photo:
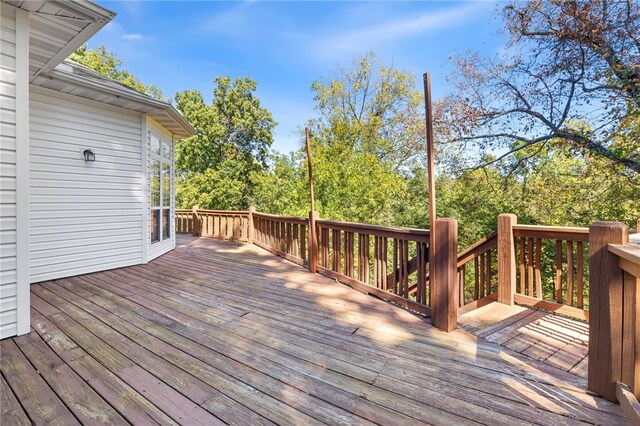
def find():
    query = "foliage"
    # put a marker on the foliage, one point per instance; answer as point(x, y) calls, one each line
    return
point(232, 144)
point(109, 65)
point(365, 133)
point(567, 62)
point(284, 188)
point(556, 187)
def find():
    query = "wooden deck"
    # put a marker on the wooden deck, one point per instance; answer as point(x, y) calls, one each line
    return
point(543, 336)
point(217, 332)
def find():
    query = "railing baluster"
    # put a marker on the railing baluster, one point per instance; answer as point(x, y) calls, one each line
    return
point(482, 276)
point(530, 265)
point(559, 271)
point(383, 278)
point(405, 266)
point(538, 267)
point(580, 283)
point(476, 276)
point(349, 243)
point(569, 273)
point(523, 286)
point(488, 271)
point(303, 243)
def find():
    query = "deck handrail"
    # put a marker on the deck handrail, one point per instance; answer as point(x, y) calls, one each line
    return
point(614, 335)
point(376, 259)
point(285, 236)
point(532, 255)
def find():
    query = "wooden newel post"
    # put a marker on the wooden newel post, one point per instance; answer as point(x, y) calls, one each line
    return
point(250, 226)
point(196, 222)
point(506, 258)
point(313, 242)
point(444, 270)
point(606, 291)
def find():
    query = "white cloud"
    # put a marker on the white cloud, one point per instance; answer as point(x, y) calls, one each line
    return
point(230, 21)
point(371, 37)
point(133, 36)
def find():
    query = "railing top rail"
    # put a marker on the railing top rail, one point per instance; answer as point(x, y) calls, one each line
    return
point(629, 255)
point(294, 219)
point(477, 248)
point(554, 232)
point(421, 235)
point(224, 212)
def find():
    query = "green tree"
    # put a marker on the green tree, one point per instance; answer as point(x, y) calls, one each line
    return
point(214, 168)
point(109, 65)
point(367, 131)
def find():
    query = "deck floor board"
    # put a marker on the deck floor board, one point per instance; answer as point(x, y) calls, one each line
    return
point(218, 332)
point(543, 336)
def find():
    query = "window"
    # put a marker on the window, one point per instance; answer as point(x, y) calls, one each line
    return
point(160, 189)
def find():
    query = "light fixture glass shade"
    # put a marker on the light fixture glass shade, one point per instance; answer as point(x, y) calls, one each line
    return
point(89, 155)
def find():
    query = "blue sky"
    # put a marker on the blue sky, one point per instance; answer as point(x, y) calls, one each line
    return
point(285, 46)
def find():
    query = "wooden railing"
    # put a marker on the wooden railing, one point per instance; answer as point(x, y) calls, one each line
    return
point(224, 225)
point(543, 267)
point(478, 286)
point(551, 268)
point(614, 332)
point(184, 221)
point(220, 224)
point(285, 236)
point(380, 260)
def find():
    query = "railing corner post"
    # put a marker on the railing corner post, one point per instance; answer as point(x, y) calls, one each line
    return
point(606, 290)
point(444, 269)
point(313, 242)
point(196, 222)
point(250, 226)
point(506, 258)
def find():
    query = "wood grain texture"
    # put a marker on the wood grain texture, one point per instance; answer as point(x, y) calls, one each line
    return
point(444, 269)
point(220, 331)
point(606, 300)
point(507, 259)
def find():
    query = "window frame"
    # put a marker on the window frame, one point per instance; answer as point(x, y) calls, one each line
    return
point(165, 146)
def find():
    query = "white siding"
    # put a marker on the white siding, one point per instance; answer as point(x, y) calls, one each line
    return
point(85, 217)
point(8, 208)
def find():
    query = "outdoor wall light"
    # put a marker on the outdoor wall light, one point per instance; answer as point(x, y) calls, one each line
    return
point(89, 155)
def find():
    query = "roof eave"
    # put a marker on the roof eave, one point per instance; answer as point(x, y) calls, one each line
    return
point(187, 129)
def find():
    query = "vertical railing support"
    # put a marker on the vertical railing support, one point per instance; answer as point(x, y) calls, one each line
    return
point(250, 228)
point(443, 269)
point(606, 292)
point(506, 258)
point(313, 242)
point(196, 222)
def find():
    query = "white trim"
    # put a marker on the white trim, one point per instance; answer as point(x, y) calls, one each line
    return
point(144, 135)
point(22, 172)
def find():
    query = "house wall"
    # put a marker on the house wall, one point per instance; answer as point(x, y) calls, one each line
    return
point(14, 133)
point(85, 216)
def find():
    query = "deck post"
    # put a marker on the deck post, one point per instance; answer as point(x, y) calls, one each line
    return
point(605, 308)
point(250, 228)
point(506, 258)
point(313, 242)
point(443, 269)
point(196, 222)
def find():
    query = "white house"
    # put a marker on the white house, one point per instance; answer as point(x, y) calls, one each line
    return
point(86, 163)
